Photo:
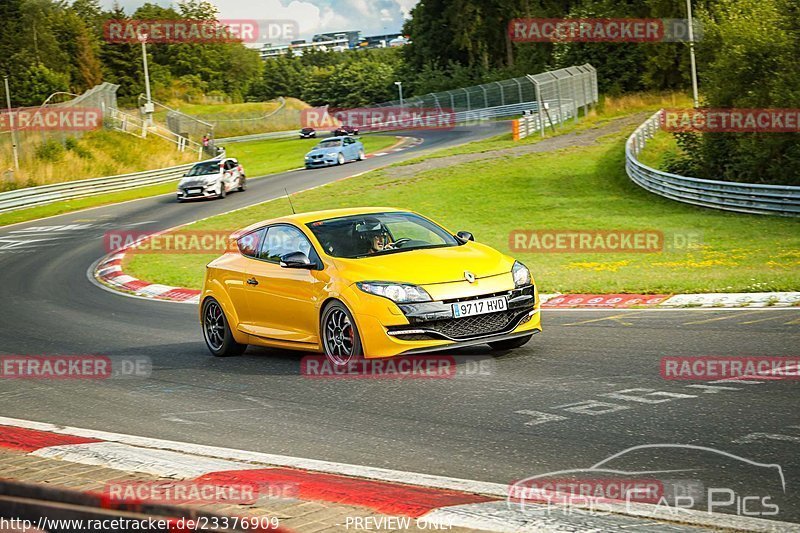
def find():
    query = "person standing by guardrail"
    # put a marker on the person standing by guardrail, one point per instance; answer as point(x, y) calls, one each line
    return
point(208, 146)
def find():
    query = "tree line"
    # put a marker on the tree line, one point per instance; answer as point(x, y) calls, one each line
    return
point(747, 57)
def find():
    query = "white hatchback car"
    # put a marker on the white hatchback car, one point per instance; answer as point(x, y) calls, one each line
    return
point(212, 179)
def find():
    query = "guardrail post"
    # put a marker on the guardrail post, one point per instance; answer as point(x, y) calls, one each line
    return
point(502, 95)
point(540, 104)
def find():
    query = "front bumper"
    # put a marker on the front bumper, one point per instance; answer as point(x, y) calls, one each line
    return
point(430, 326)
point(325, 161)
point(204, 191)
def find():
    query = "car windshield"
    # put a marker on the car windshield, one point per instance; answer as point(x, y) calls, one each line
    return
point(202, 169)
point(379, 234)
point(330, 143)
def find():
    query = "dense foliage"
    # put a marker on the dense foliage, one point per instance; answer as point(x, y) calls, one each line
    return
point(747, 57)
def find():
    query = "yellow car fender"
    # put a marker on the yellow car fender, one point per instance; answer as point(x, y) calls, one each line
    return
point(214, 289)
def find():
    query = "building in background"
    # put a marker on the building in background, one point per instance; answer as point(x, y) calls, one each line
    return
point(382, 41)
point(353, 37)
point(335, 42)
point(269, 51)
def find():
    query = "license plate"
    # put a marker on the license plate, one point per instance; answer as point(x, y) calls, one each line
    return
point(480, 307)
point(195, 191)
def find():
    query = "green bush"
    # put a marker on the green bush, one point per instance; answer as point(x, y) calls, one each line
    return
point(72, 144)
point(51, 150)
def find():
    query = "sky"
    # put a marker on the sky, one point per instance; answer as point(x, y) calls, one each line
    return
point(372, 17)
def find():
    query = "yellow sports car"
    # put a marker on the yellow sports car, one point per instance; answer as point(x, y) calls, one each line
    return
point(355, 283)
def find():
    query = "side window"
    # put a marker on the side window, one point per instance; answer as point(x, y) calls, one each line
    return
point(228, 164)
point(282, 240)
point(250, 244)
point(348, 140)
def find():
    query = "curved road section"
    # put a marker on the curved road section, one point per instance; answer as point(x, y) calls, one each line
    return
point(588, 391)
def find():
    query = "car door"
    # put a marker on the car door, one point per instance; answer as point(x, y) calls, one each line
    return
point(282, 302)
point(349, 148)
point(228, 177)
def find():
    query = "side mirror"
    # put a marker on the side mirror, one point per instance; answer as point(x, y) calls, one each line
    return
point(465, 236)
point(296, 260)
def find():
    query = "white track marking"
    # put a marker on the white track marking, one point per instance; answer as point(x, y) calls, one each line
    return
point(151, 461)
point(155, 456)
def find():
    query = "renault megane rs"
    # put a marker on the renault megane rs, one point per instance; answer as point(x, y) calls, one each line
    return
point(354, 283)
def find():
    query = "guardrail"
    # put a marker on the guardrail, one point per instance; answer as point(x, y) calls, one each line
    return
point(259, 136)
point(45, 194)
point(753, 198)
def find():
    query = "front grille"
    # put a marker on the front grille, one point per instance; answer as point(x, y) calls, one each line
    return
point(473, 326)
point(477, 297)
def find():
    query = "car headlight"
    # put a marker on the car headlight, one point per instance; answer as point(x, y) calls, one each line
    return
point(522, 276)
point(397, 292)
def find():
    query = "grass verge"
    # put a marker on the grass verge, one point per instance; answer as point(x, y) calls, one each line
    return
point(96, 154)
point(258, 157)
point(580, 188)
point(280, 155)
point(659, 150)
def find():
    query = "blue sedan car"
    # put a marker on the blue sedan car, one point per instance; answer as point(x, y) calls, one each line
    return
point(335, 151)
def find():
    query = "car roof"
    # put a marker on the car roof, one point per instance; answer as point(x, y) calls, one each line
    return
point(337, 138)
point(313, 216)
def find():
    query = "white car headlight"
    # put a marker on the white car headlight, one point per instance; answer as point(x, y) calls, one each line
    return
point(522, 276)
point(397, 292)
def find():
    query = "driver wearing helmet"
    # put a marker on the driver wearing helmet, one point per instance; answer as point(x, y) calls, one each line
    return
point(374, 235)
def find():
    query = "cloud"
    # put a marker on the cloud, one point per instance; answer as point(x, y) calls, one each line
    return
point(313, 16)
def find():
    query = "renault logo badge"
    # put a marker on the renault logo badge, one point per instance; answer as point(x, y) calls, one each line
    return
point(469, 276)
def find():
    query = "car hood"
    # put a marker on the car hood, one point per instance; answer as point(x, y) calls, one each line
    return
point(197, 179)
point(317, 151)
point(428, 266)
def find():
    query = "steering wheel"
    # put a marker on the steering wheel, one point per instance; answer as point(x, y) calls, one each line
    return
point(400, 242)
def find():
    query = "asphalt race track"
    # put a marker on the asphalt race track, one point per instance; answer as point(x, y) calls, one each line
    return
point(585, 389)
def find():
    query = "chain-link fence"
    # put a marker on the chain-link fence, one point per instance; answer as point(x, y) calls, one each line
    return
point(559, 94)
point(283, 117)
point(35, 129)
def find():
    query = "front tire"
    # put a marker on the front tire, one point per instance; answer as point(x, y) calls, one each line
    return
point(510, 344)
point(222, 191)
point(217, 332)
point(341, 342)
point(340, 159)
point(361, 155)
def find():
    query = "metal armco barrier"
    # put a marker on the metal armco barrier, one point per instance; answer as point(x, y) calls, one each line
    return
point(753, 198)
point(45, 194)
